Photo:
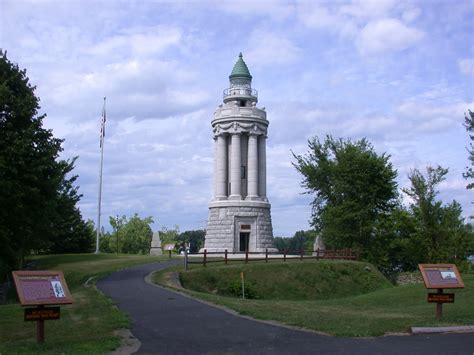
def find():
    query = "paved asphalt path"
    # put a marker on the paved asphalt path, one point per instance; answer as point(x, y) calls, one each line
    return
point(168, 323)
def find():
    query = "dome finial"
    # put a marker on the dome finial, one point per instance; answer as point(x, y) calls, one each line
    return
point(240, 69)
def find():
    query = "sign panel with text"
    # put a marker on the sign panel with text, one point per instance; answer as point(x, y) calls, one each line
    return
point(41, 288)
point(441, 276)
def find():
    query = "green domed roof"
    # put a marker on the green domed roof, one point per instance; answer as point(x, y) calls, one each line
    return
point(240, 69)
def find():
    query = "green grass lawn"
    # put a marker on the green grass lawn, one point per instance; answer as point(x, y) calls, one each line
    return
point(86, 326)
point(385, 310)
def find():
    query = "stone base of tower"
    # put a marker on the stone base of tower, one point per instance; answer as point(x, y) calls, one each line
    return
point(237, 225)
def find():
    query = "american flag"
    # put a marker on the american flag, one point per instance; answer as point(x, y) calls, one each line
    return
point(102, 126)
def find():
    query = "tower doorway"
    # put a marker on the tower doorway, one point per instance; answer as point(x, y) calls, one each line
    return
point(244, 241)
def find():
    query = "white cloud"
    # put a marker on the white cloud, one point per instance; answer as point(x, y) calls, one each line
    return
point(368, 8)
point(316, 16)
point(466, 66)
point(411, 14)
point(387, 35)
point(370, 125)
point(140, 88)
point(422, 116)
point(270, 48)
point(278, 10)
point(374, 26)
point(139, 42)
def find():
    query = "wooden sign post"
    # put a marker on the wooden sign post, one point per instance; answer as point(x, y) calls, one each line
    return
point(41, 288)
point(440, 276)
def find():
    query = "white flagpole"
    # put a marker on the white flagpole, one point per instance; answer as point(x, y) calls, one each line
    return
point(102, 135)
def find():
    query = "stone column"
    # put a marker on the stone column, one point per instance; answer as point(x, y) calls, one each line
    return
point(215, 169)
point(252, 166)
point(262, 168)
point(235, 166)
point(221, 168)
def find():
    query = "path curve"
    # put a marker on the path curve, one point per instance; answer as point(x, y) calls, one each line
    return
point(166, 322)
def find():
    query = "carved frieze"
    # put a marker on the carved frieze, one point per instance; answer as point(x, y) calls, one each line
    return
point(239, 127)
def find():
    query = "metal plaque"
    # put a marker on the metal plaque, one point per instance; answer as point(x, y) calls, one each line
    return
point(441, 297)
point(46, 313)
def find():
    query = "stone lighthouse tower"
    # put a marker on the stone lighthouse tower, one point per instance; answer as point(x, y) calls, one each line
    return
point(239, 213)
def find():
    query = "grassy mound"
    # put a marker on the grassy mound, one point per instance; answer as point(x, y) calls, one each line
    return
point(309, 280)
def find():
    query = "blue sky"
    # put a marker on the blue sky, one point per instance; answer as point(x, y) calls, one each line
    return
point(400, 73)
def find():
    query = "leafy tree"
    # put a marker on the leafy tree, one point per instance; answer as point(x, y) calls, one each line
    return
point(300, 240)
point(395, 247)
point(137, 235)
point(469, 124)
point(106, 242)
point(195, 238)
point(353, 187)
point(130, 235)
point(117, 224)
point(71, 234)
point(37, 197)
point(282, 243)
point(169, 235)
point(440, 230)
point(459, 241)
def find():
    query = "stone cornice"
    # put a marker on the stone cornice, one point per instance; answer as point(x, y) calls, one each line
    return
point(239, 203)
point(236, 112)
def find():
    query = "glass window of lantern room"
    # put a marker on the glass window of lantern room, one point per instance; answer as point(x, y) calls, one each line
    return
point(240, 83)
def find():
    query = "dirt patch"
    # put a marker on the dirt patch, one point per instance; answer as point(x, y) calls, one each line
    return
point(169, 279)
point(172, 278)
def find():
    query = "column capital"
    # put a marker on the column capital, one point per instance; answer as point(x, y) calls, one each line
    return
point(219, 134)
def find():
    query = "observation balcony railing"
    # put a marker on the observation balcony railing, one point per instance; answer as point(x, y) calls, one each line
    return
point(240, 92)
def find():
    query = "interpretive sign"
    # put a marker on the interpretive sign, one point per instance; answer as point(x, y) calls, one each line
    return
point(441, 276)
point(441, 297)
point(45, 313)
point(41, 288)
point(169, 246)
